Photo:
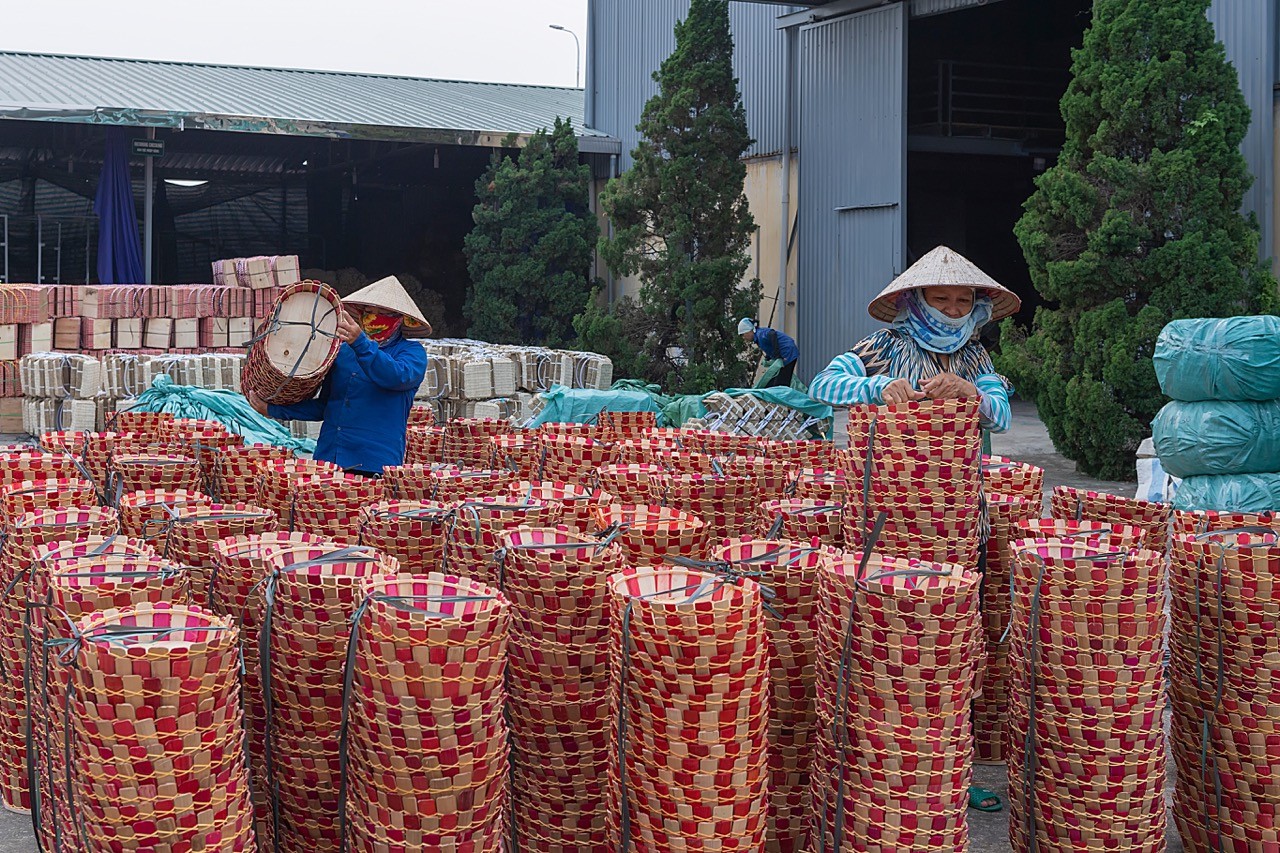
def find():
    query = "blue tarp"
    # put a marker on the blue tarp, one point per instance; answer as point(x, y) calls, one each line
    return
point(119, 249)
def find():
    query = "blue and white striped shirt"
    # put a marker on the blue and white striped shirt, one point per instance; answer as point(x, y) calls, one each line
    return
point(859, 377)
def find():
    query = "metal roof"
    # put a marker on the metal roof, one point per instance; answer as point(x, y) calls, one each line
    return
point(151, 93)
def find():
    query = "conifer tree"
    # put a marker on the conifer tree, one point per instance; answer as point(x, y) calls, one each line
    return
point(1137, 224)
point(530, 251)
point(681, 220)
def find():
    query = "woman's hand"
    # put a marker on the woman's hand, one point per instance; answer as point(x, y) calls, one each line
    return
point(948, 386)
point(901, 391)
point(259, 405)
point(348, 329)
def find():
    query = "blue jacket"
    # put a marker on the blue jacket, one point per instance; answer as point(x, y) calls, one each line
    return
point(776, 344)
point(364, 403)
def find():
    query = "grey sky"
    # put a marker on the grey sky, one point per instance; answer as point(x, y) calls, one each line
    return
point(491, 40)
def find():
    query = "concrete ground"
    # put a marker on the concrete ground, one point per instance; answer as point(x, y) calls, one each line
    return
point(1027, 441)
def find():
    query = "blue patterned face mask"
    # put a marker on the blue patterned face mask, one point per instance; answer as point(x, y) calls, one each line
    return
point(934, 330)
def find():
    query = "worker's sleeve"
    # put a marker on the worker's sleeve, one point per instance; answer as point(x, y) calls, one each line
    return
point(993, 411)
point(402, 372)
point(844, 382)
point(307, 410)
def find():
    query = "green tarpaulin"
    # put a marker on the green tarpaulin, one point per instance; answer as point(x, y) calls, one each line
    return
point(228, 408)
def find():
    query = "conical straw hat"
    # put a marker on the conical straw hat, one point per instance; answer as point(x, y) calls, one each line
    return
point(944, 267)
point(388, 293)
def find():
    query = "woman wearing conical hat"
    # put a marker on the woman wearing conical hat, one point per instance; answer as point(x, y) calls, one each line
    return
point(365, 400)
point(931, 349)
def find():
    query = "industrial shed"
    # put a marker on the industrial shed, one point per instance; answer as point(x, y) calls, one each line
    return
point(899, 125)
point(364, 171)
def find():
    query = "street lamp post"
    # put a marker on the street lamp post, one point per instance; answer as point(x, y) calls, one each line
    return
point(577, 52)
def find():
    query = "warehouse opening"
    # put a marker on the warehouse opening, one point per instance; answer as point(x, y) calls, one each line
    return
point(984, 87)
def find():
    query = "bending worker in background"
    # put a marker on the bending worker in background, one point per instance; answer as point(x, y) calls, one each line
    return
point(776, 346)
point(365, 400)
point(931, 351)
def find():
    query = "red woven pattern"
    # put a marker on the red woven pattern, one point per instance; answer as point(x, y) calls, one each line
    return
point(137, 472)
point(691, 693)
point(191, 791)
point(317, 591)
point(649, 533)
point(578, 504)
point(466, 440)
point(1226, 605)
point(1086, 644)
point(990, 708)
point(17, 467)
point(829, 485)
point(1007, 477)
point(34, 495)
point(727, 505)
point(135, 420)
point(412, 482)
point(519, 452)
point(802, 454)
point(147, 514)
point(330, 504)
point(429, 669)
point(451, 484)
point(789, 571)
point(573, 459)
point(715, 443)
point(476, 530)
point(631, 483)
point(195, 531)
point(238, 476)
point(424, 445)
point(414, 532)
point(279, 480)
point(557, 583)
point(897, 653)
point(1193, 523)
point(802, 519)
point(616, 426)
point(1078, 504)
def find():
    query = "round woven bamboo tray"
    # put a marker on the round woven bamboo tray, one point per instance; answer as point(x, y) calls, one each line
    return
point(295, 346)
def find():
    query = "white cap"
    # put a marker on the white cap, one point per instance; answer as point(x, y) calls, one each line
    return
point(746, 325)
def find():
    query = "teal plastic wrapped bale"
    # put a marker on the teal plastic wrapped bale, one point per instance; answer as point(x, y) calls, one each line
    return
point(582, 405)
point(1212, 438)
point(1237, 358)
point(1229, 493)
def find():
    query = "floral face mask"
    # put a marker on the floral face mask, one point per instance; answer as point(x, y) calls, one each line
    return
point(380, 327)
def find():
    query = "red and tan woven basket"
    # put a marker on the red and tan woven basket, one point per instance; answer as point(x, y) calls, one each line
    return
point(518, 452)
point(429, 665)
point(280, 478)
point(990, 708)
point(829, 485)
point(424, 445)
point(727, 505)
point(1224, 688)
point(788, 572)
point(1004, 476)
point(650, 534)
point(773, 477)
point(295, 346)
point(179, 664)
point(412, 482)
point(71, 580)
point(567, 430)
point(137, 472)
point(317, 590)
point(138, 421)
point(1194, 523)
point(35, 495)
point(195, 531)
point(414, 532)
point(715, 443)
point(572, 459)
point(17, 467)
point(802, 454)
point(578, 504)
point(475, 532)
point(899, 644)
point(640, 451)
point(330, 504)
point(1078, 504)
point(800, 520)
point(148, 514)
point(689, 699)
point(1086, 749)
point(238, 477)
point(617, 426)
point(466, 440)
point(633, 482)
point(453, 484)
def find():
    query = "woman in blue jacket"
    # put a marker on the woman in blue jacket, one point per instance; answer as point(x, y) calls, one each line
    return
point(365, 400)
point(775, 345)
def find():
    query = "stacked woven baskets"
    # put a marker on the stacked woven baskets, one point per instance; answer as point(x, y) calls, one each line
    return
point(161, 681)
point(690, 701)
point(425, 730)
point(415, 533)
point(1082, 505)
point(899, 643)
point(652, 534)
point(557, 583)
point(476, 529)
point(1086, 751)
point(801, 519)
point(1224, 682)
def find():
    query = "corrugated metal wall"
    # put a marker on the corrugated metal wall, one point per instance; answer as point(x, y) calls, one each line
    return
point(1248, 30)
point(627, 41)
point(923, 8)
point(852, 176)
